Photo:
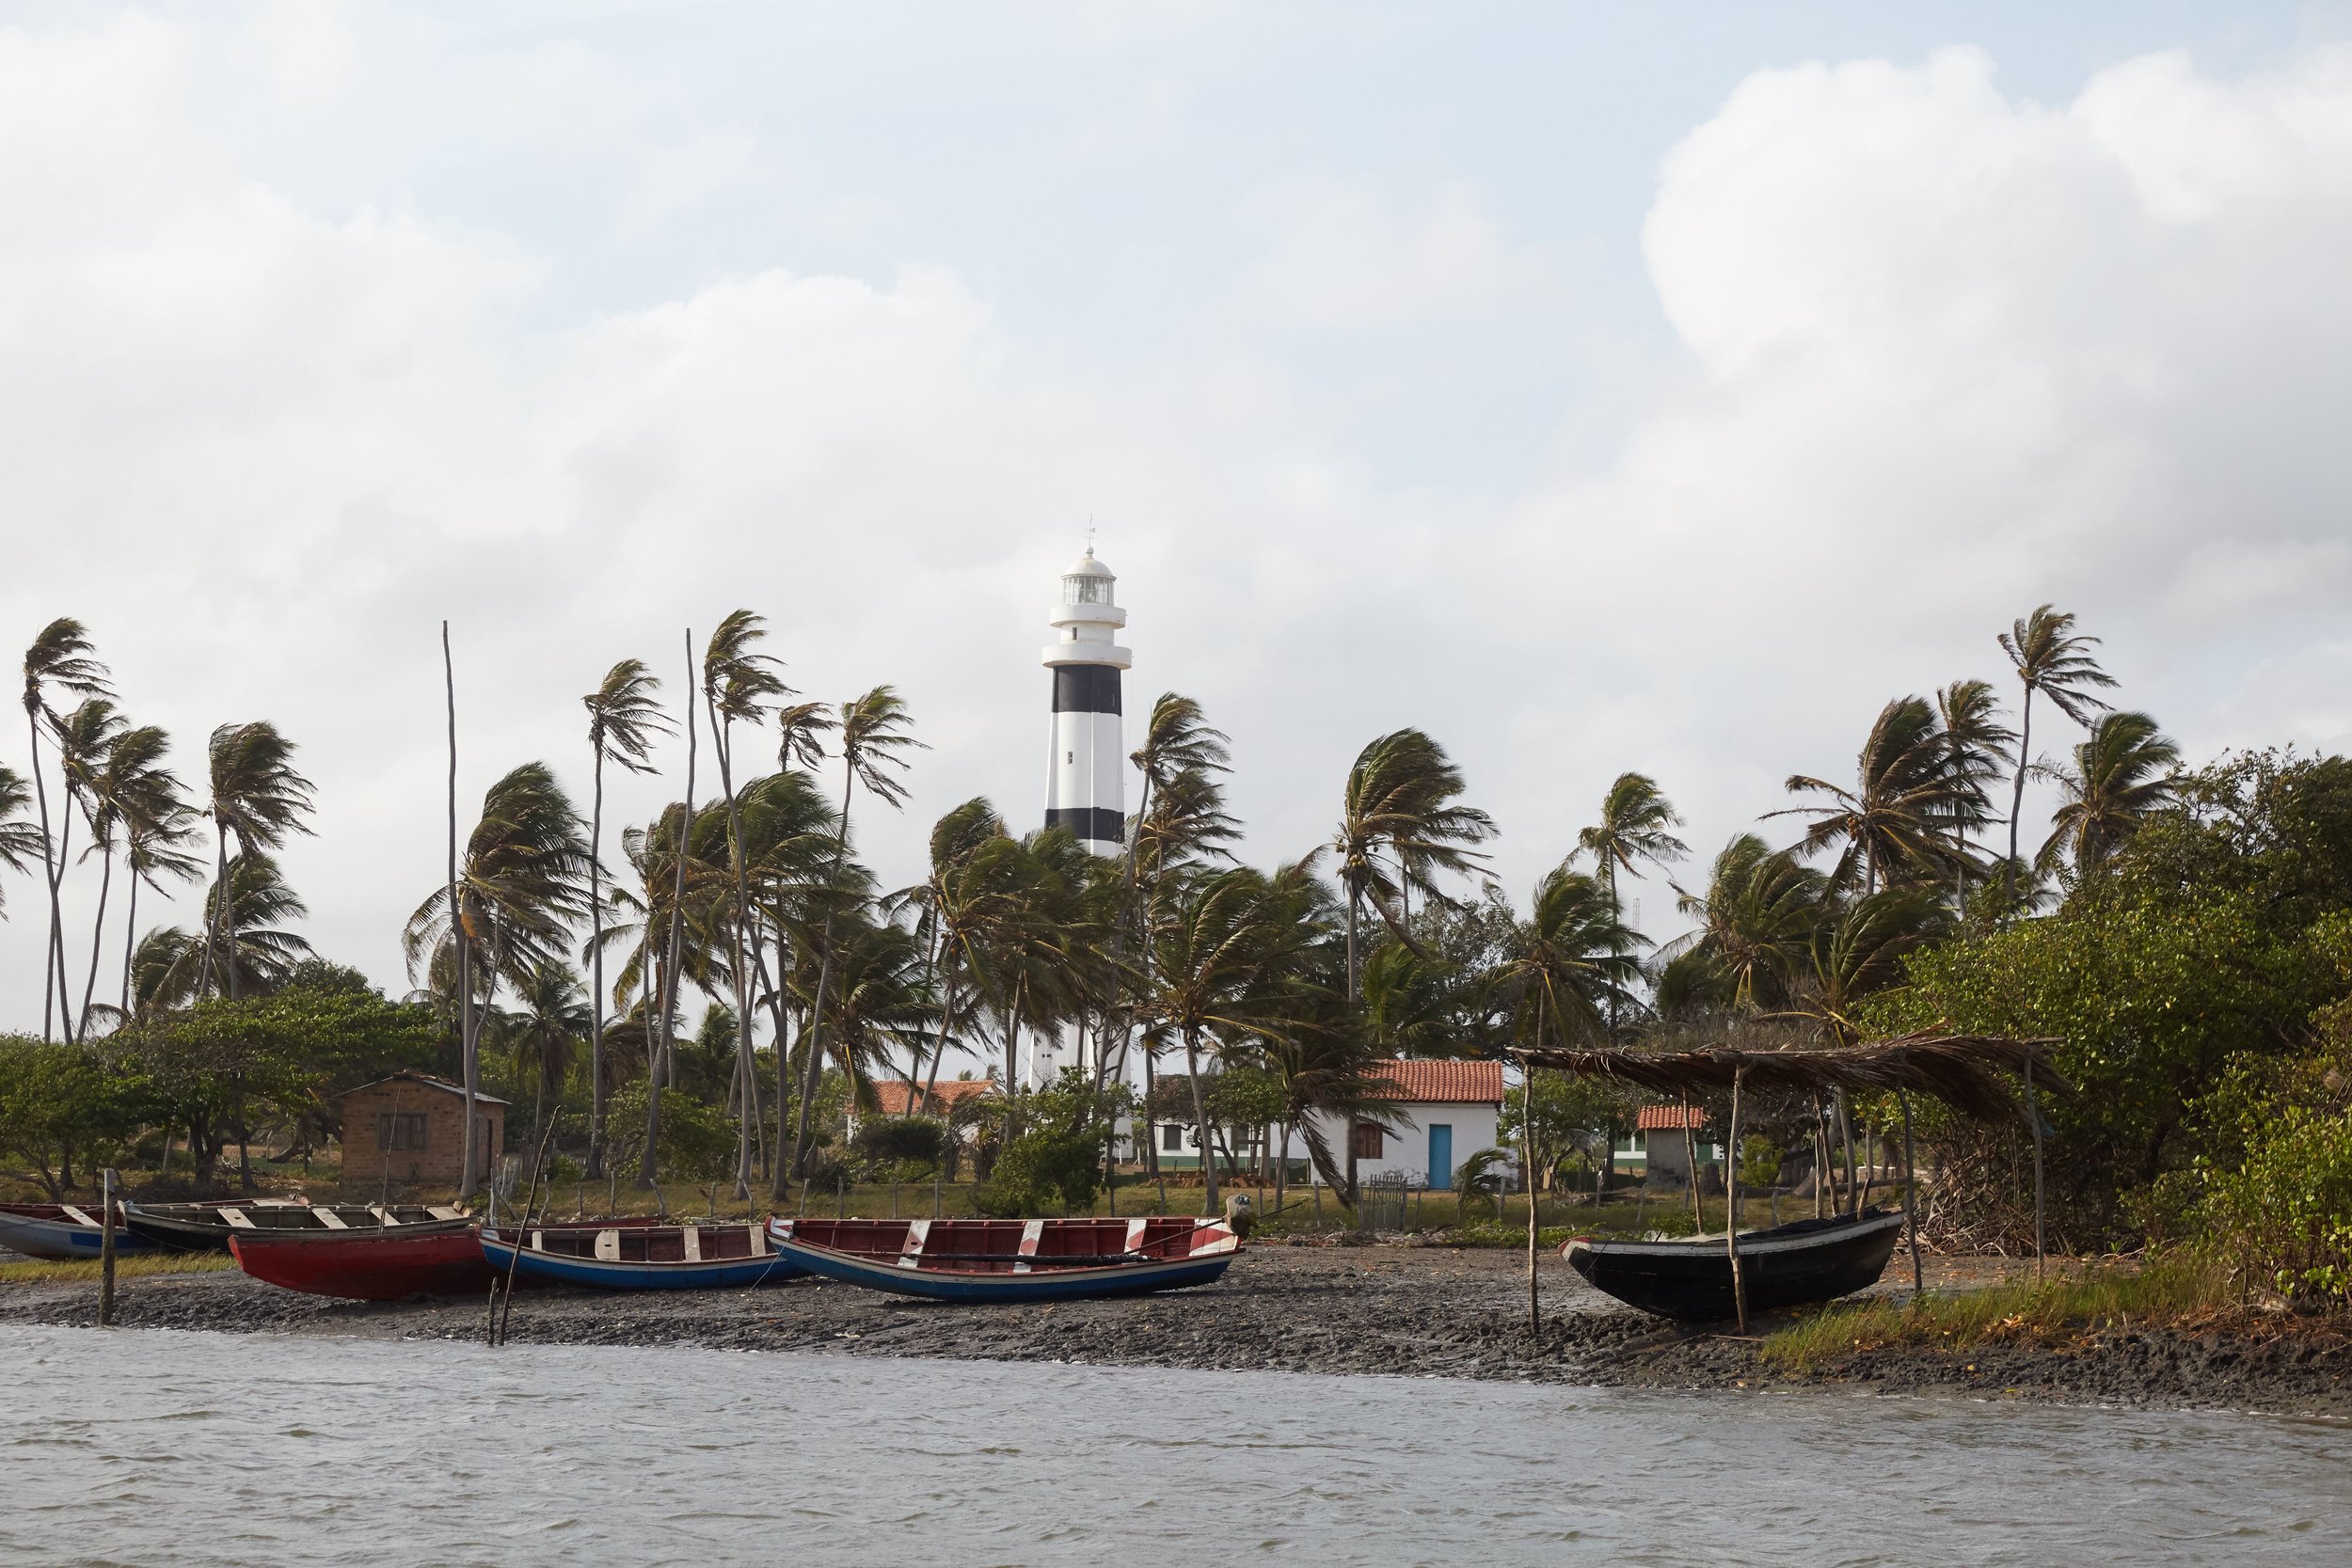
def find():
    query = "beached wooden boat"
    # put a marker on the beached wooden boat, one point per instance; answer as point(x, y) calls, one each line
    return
point(207, 1226)
point(638, 1256)
point(1000, 1261)
point(60, 1230)
point(1790, 1265)
point(383, 1264)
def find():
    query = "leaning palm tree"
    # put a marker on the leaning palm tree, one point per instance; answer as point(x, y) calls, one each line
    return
point(61, 656)
point(1977, 746)
point(2121, 774)
point(1637, 824)
point(1900, 818)
point(541, 1033)
point(257, 800)
point(1755, 922)
point(158, 833)
point(1565, 971)
point(133, 805)
point(624, 721)
point(1401, 798)
point(520, 880)
point(966, 896)
point(736, 688)
point(1178, 743)
point(83, 739)
point(2055, 659)
point(873, 738)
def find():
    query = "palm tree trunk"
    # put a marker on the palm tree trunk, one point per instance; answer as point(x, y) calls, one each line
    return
point(129, 940)
point(947, 1013)
point(1354, 989)
point(2017, 804)
point(97, 933)
point(810, 1077)
point(49, 877)
point(596, 983)
point(645, 1166)
point(747, 1087)
point(1151, 1140)
point(1201, 1114)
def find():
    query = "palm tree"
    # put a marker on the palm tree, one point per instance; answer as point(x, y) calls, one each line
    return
point(542, 1035)
point(2053, 659)
point(622, 722)
point(1178, 743)
point(1636, 823)
point(156, 836)
point(2121, 774)
point(1975, 742)
point(83, 737)
point(61, 656)
point(1755, 922)
point(258, 798)
point(1857, 952)
point(20, 842)
point(873, 738)
point(1222, 943)
point(132, 802)
point(737, 686)
point(1399, 797)
point(520, 880)
point(251, 942)
point(1569, 965)
point(966, 896)
point(1906, 809)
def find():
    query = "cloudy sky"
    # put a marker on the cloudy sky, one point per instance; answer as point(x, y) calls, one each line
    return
point(1598, 387)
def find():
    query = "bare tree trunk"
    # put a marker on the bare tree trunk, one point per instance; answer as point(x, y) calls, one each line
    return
point(129, 939)
point(596, 968)
point(461, 947)
point(647, 1165)
point(1731, 1190)
point(2033, 1111)
point(98, 930)
point(1910, 1198)
point(746, 1083)
point(2017, 807)
point(812, 1074)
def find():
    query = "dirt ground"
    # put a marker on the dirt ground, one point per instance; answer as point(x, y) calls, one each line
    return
point(1392, 1310)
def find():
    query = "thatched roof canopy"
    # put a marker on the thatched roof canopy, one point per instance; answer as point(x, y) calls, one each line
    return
point(1964, 1071)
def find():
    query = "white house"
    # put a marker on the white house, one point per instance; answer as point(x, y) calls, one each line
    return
point(1446, 1112)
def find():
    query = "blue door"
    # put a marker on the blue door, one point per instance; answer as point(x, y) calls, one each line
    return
point(1441, 1157)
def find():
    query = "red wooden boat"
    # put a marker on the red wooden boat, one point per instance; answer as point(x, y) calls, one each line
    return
point(368, 1265)
point(379, 1263)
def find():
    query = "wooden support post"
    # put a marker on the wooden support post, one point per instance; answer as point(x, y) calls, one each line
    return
point(1731, 1189)
point(1691, 1161)
point(1527, 1176)
point(106, 1249)
point(1911, 1198)
point(2033, 1115)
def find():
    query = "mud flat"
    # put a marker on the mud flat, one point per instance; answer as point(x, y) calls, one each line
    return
point(1412, 1312)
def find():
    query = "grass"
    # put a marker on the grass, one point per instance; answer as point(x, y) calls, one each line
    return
point(40, 1271)
point(2167, 1289)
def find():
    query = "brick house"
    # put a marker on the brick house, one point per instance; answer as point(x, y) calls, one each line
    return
point(409, 1130)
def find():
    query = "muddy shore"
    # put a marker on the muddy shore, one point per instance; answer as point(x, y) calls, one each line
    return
point(1391, 1310)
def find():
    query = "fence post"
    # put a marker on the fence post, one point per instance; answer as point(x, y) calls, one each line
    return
point(107, 1248)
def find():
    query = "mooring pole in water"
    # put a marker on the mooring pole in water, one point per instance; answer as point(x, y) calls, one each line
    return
point(1527, 1167)
point(2033, 1114)
point(1910, 1197)
point(106, 1249)
point(1731, 1189)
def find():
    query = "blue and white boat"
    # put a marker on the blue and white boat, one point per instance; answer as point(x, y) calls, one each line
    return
point(639, 1256)
point(59, 1230)
point(1011, 1261)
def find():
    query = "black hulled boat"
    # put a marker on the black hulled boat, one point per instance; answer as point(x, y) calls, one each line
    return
point(207, 1226)
point(1788, 1265)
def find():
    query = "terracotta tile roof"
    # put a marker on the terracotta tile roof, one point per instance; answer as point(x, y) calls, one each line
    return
point(893, 1096)
point(1422, 1083)
point(1671, 1117)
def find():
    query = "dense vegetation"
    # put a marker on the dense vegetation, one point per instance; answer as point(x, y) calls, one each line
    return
point(2184, 935)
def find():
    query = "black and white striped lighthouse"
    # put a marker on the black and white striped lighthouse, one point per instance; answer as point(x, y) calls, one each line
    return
point(1086, 783)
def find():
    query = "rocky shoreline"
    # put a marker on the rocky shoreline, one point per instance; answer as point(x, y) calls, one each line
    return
point(1380, 1311)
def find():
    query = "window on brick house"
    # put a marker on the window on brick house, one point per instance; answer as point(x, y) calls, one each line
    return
point(1366, 1139)
point(403, 1129)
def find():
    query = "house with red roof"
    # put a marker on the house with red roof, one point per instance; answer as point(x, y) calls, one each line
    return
point(1444, 1113)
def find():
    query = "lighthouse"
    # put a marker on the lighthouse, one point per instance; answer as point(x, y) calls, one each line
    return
point(1085, 776)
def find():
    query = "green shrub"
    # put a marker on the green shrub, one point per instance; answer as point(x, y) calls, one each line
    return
point(1042, 1168)
point(898, 1148)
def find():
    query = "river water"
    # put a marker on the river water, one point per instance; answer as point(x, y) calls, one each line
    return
point(162, 1448)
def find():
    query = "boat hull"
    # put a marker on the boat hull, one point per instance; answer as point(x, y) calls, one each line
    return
point(970, 1262)
point(207, 1226)
point(368, 1266)
point(546, 1267)
point(1795, 1265)
point(50, 1230)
